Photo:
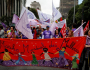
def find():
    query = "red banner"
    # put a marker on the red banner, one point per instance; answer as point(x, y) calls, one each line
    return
point(48, 52)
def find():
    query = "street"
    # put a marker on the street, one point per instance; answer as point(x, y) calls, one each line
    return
point(28, 68)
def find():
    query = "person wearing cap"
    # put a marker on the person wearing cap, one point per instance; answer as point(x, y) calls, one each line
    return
point(47, 33)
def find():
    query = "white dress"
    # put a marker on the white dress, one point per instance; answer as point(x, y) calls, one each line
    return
point(47, 57)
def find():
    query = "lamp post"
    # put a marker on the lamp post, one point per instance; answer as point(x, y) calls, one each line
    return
point(74, 13)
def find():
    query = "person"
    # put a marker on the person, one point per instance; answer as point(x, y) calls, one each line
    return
point(61, 55)
point(39, 29)
point(19, 35)
point(42, 30)
point(34, 58)
point(39, 33)
point(1, 32)
point(23, 36)
point(47, 57)
point(74, 27)
point(74, 61)
point(85, 54)
point(6, 56)
point(33, 31)
point(12, 33)
point(70, 33)
point(57, 34)
point(5, 32)
point(47, 33)
point(38, 36)
point(67, 31)
point(20, 57)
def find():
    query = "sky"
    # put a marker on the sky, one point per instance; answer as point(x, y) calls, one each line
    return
point(46, 5)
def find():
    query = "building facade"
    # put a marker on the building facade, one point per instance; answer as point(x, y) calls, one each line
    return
point(9, 7)
point(35, 5)
point(65, 6)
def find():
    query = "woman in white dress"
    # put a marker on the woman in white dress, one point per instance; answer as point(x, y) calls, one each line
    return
point(46, 56)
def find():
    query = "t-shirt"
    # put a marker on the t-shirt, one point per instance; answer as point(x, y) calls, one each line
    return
point(88, 40)
point(73, 29)
point(67, 32)
point(61, 53)
point(39, 37)
point(56, 36)
point(10, 33)
point(2, 33)
point(47, 34)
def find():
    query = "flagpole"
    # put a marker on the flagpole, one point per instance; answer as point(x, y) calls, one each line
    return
point(74, 13)
point(52, 13)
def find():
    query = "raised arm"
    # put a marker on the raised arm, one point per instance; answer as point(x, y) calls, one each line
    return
point(87, 45)
point(50, 52)
point(11, 53)
point(57, 52)
point(67, 53)
point(1, 52)
point(41, 54)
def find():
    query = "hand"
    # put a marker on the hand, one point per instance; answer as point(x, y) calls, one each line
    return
point(87, 46)
point(13, 32)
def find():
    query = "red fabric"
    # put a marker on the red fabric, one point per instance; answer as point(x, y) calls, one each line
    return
point(73, 46)
point(56, 21)
point(87, 27)
point(63, 31)
point(35, 34)
point(18, 18)
point(61, 19)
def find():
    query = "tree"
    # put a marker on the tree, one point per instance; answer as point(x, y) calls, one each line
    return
point(82, 12)
point(35, 12)
point(70, 16)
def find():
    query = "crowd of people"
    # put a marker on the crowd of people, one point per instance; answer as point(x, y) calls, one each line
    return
point(38, 33)
point(42, 33)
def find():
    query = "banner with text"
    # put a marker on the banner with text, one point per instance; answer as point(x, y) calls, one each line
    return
point(62, 53)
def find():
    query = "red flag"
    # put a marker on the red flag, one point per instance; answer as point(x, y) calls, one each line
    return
point(63, 31)
point(35, 34)
point(61, 19)
point(87, 27)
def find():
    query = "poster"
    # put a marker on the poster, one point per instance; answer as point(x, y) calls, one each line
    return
point(58, 53)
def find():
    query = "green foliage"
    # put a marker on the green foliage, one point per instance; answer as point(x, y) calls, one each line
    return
point(70, 16)
point(82, 12)
point(6, 19)
point(62, 19)
point(35, 12)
